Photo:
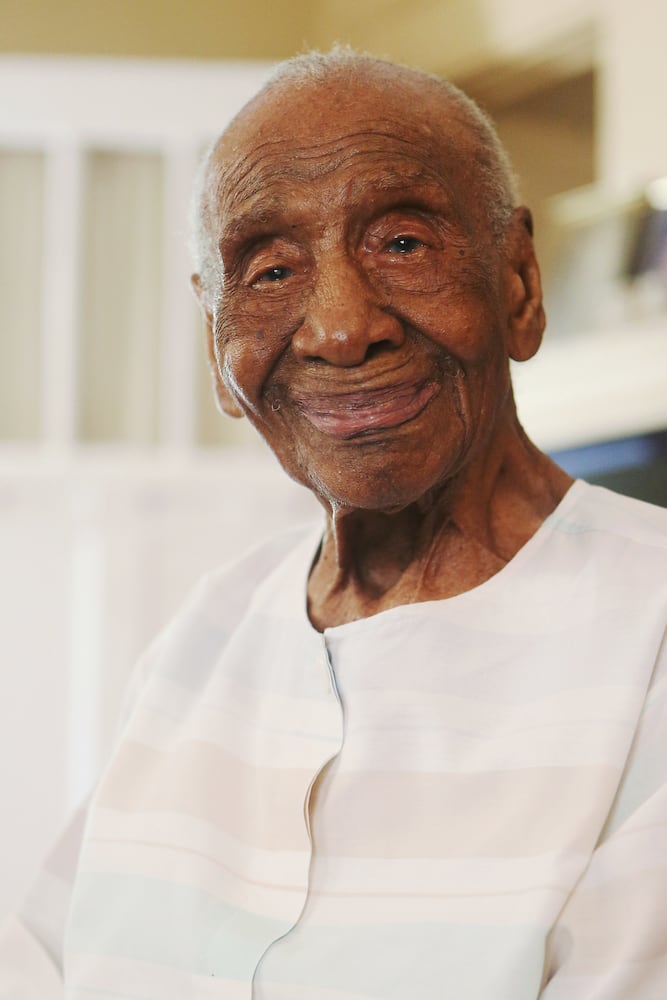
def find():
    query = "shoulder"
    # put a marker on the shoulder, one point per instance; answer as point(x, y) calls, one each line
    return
point(596, 510)
point(221, 598)
point(226, 591)
point(187, 649)
point(616, 549)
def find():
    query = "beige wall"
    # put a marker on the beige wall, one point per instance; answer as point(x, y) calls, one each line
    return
point(209, 29)
point(453, 36)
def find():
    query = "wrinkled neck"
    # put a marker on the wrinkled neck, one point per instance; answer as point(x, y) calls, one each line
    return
point(450, 540)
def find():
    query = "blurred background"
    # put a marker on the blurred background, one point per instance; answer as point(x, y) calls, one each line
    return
point(119, 482)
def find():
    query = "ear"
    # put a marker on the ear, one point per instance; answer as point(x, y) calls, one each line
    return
point(526, 319)
point(225, 401)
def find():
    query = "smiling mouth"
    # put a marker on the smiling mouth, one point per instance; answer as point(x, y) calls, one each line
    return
point(349, 415)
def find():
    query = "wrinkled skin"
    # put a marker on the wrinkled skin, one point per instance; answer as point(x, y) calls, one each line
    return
point(364, 321)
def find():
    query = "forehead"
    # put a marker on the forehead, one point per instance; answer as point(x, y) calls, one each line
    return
point(353, 137)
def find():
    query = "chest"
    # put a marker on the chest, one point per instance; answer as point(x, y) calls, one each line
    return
point(364, 816)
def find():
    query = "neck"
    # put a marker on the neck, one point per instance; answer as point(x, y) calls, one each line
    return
point(454, 538)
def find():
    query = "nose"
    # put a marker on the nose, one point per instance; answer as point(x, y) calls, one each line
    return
point(344, 323)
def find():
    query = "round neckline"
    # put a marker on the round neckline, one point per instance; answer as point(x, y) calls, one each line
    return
point(499, 579)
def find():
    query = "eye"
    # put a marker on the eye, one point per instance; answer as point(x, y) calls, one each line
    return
point(404, 244)
point(273, 274)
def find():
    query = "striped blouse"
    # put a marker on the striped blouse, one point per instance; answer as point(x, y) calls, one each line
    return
point(462, 798)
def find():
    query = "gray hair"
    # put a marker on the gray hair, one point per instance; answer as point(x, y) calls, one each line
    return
point(499, 190)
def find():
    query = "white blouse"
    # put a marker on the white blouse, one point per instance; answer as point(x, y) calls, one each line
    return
point(462, 798)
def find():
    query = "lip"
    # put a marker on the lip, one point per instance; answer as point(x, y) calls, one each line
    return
point(352, 414)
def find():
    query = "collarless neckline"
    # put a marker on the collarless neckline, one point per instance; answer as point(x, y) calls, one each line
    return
point(304, 557)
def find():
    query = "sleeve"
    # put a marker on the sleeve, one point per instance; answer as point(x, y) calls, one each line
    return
point(26, 971)
point(31, 941)
point(610, 941)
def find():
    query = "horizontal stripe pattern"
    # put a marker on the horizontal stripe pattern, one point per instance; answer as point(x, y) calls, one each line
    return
point(459, 798)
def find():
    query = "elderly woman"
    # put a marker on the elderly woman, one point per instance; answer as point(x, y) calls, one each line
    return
point(421, 754)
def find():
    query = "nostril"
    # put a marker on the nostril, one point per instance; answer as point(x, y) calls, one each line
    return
point(378, 347)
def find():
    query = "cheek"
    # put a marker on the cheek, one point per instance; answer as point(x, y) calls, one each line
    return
point(450, 299)
point(462, 325)
point(248, 343)
point(249, 312)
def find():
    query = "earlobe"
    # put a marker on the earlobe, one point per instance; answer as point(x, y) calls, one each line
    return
point(526, 319)
point(225, 401)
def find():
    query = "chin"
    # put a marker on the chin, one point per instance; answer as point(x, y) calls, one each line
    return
point(386, 491)
point(373, 473)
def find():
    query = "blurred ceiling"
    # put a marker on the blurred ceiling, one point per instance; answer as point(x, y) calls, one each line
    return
point(449, 36)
